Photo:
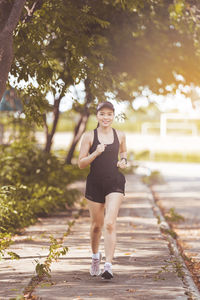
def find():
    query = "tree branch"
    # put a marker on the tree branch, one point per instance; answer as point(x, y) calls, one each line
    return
point(30, 11)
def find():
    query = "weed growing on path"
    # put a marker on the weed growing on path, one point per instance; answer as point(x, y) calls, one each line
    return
point(169, 231)
point(5, 242)
point(173, 216)
point(175, 264)
point(154, 177)
point(43, 270)
point(158, 219)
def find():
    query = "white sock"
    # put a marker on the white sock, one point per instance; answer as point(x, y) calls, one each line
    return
point(95, 255)
point(108, 264)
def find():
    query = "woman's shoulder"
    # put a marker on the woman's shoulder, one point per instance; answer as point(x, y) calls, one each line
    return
point(120, 133)
point(88, 136)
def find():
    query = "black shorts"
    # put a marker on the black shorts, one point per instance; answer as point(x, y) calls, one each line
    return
point(98, 188)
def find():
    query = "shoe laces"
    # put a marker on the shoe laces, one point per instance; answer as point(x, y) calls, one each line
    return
point(95, 262)
point(107, 268)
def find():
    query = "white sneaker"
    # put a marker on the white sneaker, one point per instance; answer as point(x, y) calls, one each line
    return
point(95, 266)
point(107, 272)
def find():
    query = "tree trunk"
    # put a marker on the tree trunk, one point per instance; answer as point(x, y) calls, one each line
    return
point(49, 136)
point(80, 127)
point(8, 25)
point(79, 130)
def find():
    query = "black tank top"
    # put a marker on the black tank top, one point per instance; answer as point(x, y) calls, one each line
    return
point(105, 165)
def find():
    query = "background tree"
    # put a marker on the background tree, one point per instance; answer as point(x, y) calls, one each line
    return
point(61, 53)
point(10, 12)
point(149, 51)
point(113, 46)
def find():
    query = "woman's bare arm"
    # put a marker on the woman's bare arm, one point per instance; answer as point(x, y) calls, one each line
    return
point(84, 159)
point(123, 148)
point(122, 151)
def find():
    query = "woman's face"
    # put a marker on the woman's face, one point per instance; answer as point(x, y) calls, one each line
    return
point(105, 117)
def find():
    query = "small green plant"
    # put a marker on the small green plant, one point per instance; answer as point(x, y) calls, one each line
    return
point(55, 251)
point(169, 231)
point(43, 270)
point(13, 255)
point(176, 265)
point(155, 177)
point(158, 275)
point(173, 216)
point(158, 219)
point(5, 242)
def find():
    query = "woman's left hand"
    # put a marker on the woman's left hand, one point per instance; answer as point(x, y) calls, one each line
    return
point(122, 164)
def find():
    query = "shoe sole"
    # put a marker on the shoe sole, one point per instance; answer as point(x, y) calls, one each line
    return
point(106, 275)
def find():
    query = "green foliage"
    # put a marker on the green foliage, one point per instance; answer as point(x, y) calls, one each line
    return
point(153, 178)
point(173, 216)
point(175, 263)
point(55, 251)
point(170, 232)
point(43, 270)
point(77, 40)
point(158, 219)
point(5, 242)
point(33, 183)
point(13, 255)
point(185, 17)
point(68, 42)
point(63, 49)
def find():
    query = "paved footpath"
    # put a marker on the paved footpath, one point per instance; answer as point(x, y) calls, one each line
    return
point(181, 191)
point(144, 265)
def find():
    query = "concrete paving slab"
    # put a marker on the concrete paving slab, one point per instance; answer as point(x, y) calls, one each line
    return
point(143, 265)
point(181, 191)
point(141, 253)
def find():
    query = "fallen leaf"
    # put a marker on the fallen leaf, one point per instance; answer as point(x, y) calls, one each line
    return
point(131, 290)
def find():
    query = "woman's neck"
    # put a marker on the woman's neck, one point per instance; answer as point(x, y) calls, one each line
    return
point(104, 129)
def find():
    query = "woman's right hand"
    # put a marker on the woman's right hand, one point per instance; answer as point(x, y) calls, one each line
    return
point(100, 148)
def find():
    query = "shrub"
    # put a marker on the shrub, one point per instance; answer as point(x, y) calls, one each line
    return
point(32, 183)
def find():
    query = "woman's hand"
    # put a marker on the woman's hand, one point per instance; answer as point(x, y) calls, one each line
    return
point(100, 148)
point(122, 163)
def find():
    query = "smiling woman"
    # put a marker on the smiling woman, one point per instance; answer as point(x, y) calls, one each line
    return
point(105, 184)
point(105, 114)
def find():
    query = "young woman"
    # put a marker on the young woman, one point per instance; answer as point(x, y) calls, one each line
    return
point(105, 185)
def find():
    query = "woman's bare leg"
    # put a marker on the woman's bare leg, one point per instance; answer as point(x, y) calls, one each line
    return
point(97, 219)
point(112, 205)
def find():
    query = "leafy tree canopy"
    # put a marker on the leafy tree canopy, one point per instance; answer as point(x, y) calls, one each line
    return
point(117, 46)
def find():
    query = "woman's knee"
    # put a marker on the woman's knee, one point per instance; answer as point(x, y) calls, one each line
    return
point(109, 226)
point(96, 227)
